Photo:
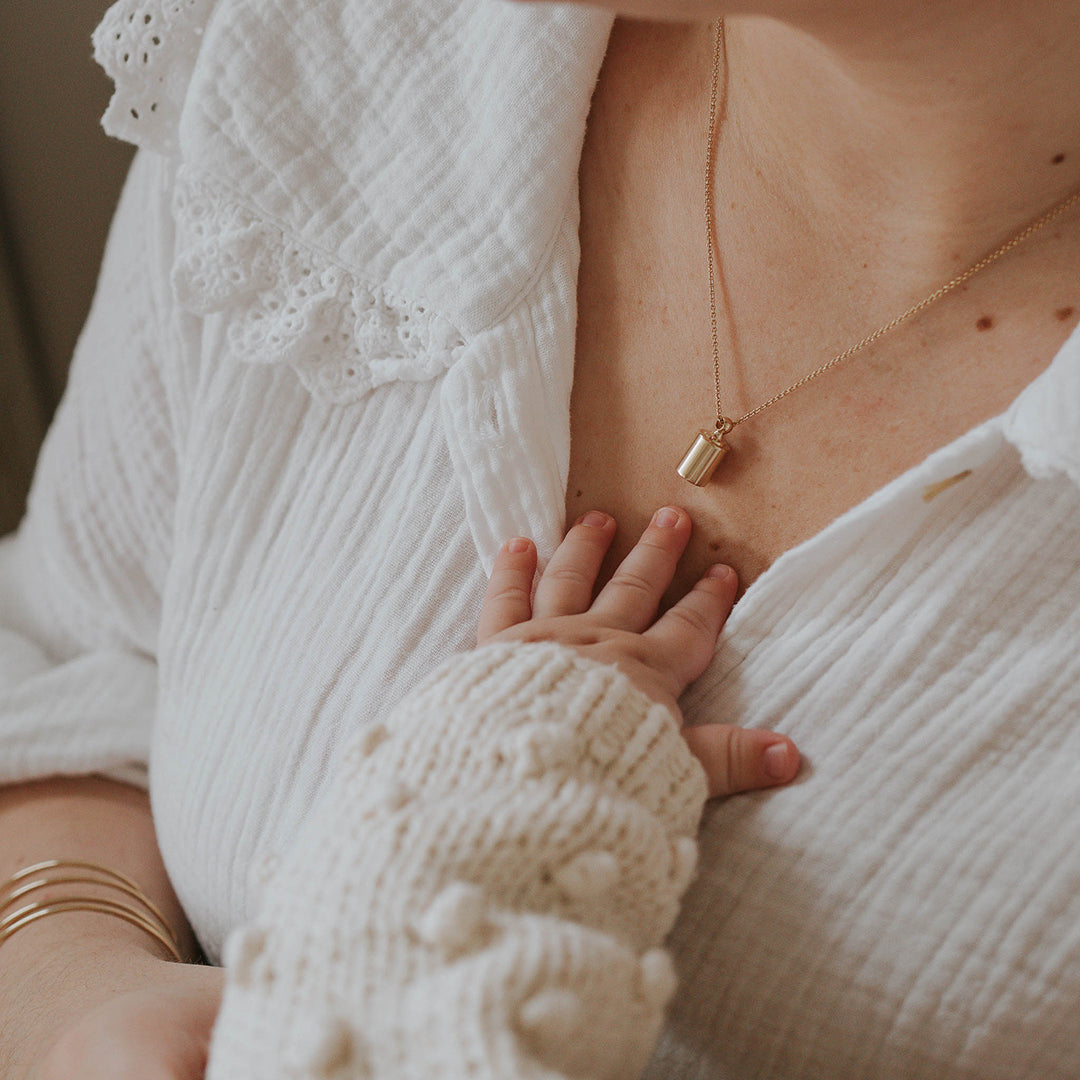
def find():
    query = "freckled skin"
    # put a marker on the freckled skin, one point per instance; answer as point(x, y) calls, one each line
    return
point(903, 185)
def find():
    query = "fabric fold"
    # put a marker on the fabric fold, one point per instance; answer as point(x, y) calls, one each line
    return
point(1044, 421)
point(356, 251)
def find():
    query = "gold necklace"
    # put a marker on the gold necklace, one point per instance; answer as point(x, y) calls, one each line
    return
point(708, 448)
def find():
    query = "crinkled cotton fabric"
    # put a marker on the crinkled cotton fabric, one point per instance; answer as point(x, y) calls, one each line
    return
point(327, 372)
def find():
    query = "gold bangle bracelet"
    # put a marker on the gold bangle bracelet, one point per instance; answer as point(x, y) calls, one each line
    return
point(85, 879)
point(20, 885)
point(35, 912)
point(75, 864)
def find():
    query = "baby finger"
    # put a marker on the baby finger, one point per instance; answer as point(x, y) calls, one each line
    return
point(742, 759)
point(566, 586)
point(631, 598)
point(507, 601)
point(686, 633)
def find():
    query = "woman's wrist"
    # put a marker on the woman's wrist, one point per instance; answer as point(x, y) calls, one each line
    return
point(87, 820)
point(72, 936)
point(59, 968)
point(62, 887)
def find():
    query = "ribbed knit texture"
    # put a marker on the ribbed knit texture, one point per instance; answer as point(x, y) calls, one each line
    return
point(481, 892)
point(233, 567)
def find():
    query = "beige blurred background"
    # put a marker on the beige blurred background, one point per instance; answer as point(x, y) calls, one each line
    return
point(59, 180)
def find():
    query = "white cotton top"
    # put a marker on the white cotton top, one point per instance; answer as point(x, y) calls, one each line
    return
point(327, 372)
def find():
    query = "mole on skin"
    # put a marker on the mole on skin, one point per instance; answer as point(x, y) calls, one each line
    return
point(1057, 159)
point(1064, 313)
point(985, 323)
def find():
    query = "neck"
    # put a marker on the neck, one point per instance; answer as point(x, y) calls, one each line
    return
point(938, 130)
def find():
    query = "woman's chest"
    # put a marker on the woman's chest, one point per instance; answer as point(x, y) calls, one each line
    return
point(638, 403)
point(644, 385)
point(644, 379)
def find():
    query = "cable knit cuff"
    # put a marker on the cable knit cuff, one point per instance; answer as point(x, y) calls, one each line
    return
point(483, 889)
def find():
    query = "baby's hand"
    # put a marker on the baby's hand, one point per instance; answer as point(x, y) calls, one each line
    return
point(661, 656)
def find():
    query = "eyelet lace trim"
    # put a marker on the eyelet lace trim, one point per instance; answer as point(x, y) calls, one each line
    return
point(287, 303)
point(292, 305)
point(148, 48)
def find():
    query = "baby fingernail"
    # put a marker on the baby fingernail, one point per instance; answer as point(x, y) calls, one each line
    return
point(724, 573)
point(595, 519)
point(780, 761)
point(666, 518)
point(517, 545)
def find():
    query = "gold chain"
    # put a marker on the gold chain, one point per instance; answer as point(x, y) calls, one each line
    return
point(718, 53)
point(724, 423)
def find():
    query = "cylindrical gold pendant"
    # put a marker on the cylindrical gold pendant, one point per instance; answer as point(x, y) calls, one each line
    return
point(700, 461)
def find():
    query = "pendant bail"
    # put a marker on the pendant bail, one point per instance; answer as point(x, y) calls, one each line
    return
point(705, 453)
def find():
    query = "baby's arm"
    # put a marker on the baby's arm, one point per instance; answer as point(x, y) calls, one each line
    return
point(485, 888)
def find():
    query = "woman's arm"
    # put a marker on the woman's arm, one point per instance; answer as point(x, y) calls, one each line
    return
point(80, 588)
point(62, 977)
point(81, 579)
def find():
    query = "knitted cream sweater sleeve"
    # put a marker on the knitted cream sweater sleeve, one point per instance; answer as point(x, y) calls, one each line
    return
point(483, 890)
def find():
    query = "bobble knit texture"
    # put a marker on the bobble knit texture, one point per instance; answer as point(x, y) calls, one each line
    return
point(238, 562)
point(482, 891)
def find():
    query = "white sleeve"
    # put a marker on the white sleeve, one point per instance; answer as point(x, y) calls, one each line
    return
point(483, 892)
point(80, 580)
